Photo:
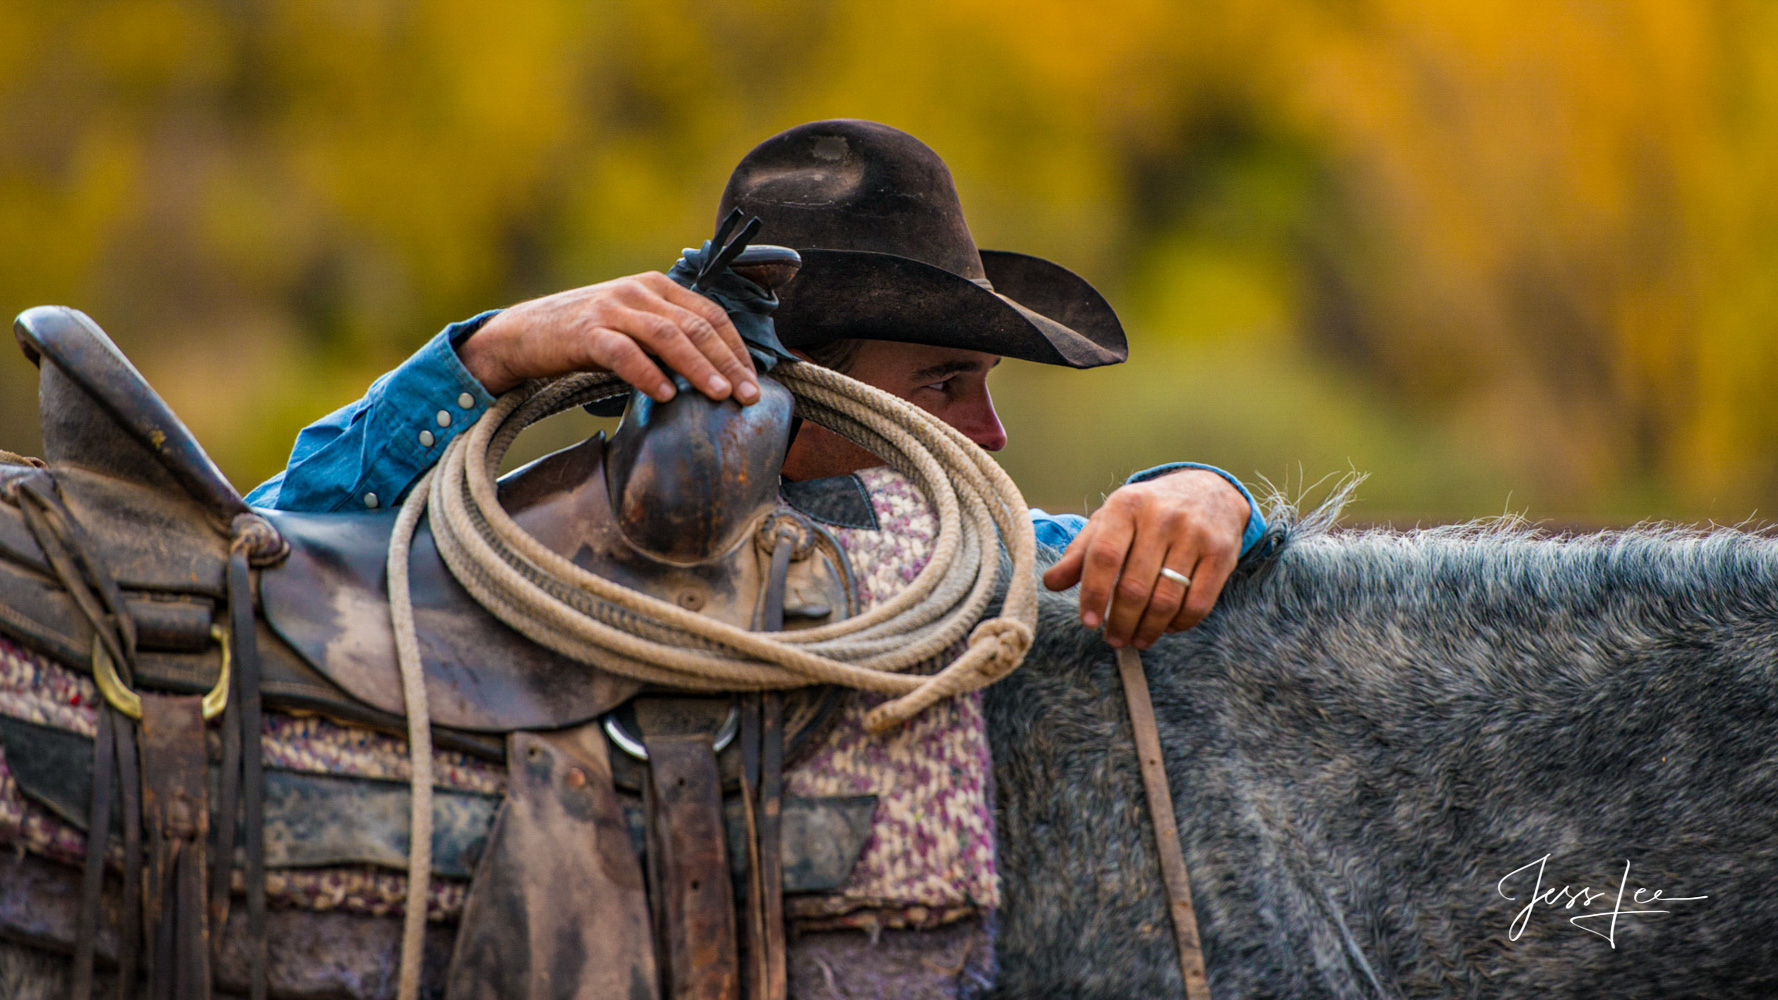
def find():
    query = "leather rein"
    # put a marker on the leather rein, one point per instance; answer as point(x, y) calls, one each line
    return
point(1146, 732)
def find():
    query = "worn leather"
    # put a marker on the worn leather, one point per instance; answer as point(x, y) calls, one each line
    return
point(672, 506)
point(313, 955)
point(156, 508)
point(176, 808)
point(837, 500)
point(101, 415)
point(329, 601)
point(319, 820)
point(557, 910)
point(693, 901)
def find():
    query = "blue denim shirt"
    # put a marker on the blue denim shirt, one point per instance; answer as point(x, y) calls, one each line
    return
point(370, 453)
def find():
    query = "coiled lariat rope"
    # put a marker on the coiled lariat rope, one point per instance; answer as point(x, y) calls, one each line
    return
point(592, 620)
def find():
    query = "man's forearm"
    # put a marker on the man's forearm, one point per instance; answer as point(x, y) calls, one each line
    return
point(368, 454)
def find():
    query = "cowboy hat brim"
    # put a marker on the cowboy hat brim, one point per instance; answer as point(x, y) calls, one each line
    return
point(1036, 310)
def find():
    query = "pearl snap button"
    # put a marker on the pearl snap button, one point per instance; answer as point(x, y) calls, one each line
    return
point(444, 418)
point(426, 439)
point(466, 401)
point(371, 501)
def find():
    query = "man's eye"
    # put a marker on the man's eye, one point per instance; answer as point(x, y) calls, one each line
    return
point(938, 386)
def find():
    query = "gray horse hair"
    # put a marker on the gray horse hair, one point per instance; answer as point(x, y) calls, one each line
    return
point(1371, 730)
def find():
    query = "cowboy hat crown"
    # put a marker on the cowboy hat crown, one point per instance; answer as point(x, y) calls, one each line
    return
point(887, 254)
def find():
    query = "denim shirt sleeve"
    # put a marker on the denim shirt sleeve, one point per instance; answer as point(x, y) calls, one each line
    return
point(370, 453)
point(1057, 530)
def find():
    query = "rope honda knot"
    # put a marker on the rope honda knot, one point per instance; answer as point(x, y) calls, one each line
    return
point(1008, 639)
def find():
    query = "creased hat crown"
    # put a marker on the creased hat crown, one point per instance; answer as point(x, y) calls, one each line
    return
point(848, 184)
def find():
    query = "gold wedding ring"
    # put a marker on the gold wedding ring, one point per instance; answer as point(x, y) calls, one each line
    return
point(1177, 577)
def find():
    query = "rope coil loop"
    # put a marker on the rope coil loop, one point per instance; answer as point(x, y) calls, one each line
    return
point(592, 620)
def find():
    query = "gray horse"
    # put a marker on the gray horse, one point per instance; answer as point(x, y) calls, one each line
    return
point(1413, 765)
point(1457, 762)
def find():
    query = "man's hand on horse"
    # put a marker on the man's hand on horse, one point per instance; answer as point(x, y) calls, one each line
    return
point(1189, 522)
point(620, 326)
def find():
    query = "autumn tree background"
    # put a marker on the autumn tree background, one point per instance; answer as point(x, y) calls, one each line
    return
point(1512, 255)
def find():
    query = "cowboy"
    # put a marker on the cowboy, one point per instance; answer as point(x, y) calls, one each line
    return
point(893, 292)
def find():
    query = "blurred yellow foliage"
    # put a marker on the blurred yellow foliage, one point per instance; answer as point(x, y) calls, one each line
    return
point(1515, 253)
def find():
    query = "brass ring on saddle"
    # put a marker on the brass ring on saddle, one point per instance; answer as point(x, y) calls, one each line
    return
point(725, 734)
point(130, 703)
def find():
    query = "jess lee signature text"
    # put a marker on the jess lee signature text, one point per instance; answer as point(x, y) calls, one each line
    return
point(1642, 901)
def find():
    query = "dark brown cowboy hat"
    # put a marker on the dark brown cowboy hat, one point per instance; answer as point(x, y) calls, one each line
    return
point(887, 255)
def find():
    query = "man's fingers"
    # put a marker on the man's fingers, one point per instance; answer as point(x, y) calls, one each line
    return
point(720, 352)
point(714, 334)
point(1066, 571)
point(1102, 561)
point(1167, 598)
point(666, 340)
point(1207, 582)
point(617, 352)
point(1135, 584)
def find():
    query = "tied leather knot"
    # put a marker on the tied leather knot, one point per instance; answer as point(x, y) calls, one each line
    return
point(776, 526)
point(264, 545)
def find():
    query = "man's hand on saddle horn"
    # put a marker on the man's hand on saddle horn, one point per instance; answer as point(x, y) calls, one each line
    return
point(621, 326)
point(1135, 549)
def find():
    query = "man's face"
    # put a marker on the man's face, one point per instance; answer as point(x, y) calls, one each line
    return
point(947, 382)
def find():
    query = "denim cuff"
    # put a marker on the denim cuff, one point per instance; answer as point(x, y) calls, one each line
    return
point(1256, 522)
point(420, 408)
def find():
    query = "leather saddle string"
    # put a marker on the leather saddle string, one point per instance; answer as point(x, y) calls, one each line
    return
point(95, 593)
point(114, 751)
point(246, 680)
point(1145, 732)
point(762, 772)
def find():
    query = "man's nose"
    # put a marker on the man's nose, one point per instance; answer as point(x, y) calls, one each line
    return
point(982, 425)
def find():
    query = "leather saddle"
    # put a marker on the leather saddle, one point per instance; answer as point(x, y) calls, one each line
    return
point(158, 509)
point(128, 553)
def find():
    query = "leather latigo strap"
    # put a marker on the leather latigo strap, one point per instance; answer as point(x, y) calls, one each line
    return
point(774, 978)
point(762, 806)
point(177, 809)
point(1166, 828)
point(246, 701)
point(692, 898)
